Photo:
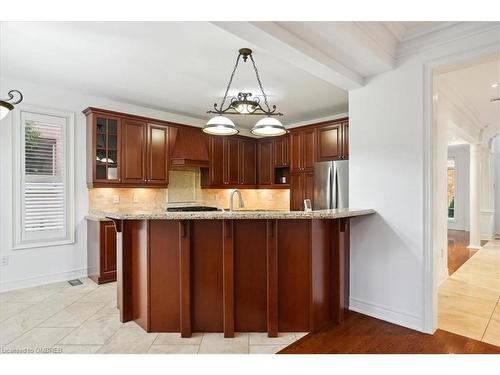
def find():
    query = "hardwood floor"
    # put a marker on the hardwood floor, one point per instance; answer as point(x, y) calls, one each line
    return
point(458, 253)
point(360, 334)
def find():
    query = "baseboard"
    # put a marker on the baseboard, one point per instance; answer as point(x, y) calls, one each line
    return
point(43, 279)
point(389, 315)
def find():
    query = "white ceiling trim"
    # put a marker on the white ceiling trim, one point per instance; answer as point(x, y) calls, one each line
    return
point(454, 31)
point(273, 38)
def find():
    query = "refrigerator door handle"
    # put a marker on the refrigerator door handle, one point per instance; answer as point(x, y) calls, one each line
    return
point(333, 187)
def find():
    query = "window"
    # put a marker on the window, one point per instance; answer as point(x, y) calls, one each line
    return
point(452, 178)
point(44, 164)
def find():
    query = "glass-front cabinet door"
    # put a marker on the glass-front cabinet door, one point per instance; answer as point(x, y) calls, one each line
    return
point(107, 149)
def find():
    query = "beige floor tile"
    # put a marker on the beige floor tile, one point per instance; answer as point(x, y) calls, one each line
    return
point(466, 304)
point(260, 338)
point(457, 287)
point(129, 339)
point(104, 293)
point(39, 338)
point(35, 294)
point(266, 349)
point(299, 335)
point(110, 308)
point(73, 315)
point(462, 324)
point(496, 313)
point(492, 334)
point(77, 349)
point(215, 343)
point(95, 331)
point(176, 339)
point(173, 349)
point(477, 280)
point(8, 309)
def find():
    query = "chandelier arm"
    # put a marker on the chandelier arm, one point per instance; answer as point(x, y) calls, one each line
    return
point(11, 96)
point(260, 83)
point(230, 81)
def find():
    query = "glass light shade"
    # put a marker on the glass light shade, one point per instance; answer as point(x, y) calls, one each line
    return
point(268, 127)
point(244, 107)
point(5, 108)
point(220, 125)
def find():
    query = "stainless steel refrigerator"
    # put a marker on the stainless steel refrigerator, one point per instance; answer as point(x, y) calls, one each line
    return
point(331, 185)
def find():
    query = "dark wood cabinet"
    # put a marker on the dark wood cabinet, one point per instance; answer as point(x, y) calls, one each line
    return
point(103, 149)
point(157, 137)
point(280, 152)
point(248, 155)
point(301, 187)
point(303, 149)
point(232, 161)
point(333, 141)
point(216, 170)
point(265, 162)
point(101, 251)
point(133, 152)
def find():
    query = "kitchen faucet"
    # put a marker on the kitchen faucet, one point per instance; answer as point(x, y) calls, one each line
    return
point(231, 196)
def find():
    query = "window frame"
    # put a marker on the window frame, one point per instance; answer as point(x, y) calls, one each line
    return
point(17, 178)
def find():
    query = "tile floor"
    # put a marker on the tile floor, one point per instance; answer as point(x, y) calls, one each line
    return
point(469, 300)
point(59, 318)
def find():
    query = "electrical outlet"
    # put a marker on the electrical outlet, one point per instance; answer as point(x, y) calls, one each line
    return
point(4, 261)
point(135, 199)
point(116, 199)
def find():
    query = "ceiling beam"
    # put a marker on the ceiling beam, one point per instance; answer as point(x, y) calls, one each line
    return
point(281, 43)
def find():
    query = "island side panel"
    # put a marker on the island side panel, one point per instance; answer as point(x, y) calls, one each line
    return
point(139, 264)
point(294, 282)
point(250, 275)
point(206, 275)
point(164, 275)
point(340, 268)
point(321, 268)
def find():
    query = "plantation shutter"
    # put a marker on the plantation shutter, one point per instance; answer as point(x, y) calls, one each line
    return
point(44, 192)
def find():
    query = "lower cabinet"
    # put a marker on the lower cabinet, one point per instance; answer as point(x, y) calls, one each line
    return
point(101, 251)
point(301, 187)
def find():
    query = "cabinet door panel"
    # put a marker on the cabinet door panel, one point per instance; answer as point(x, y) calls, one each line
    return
point(108, 249)
point(105, 156)
point(133, 152)
point(330, 142)
point(308, 186)
point(247, 167)
point(157, 154)
point(232, 161)
point(345, 140)
point(265, 163)
point(309, 149)
point(296, 193)
point(217, 161)
point(281, 151)
point(296, 151)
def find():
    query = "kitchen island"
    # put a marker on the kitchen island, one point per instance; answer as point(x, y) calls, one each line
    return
point(244, 271)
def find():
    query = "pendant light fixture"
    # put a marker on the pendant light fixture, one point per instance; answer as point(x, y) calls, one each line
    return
point(7, 105)
point(243, 104)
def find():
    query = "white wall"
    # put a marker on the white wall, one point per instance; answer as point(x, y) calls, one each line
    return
point(462, 162)
point(388, 173)
point(47, 264)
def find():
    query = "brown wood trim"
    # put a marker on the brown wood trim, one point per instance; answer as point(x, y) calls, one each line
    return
point(318, 124)
point(228, 276)
point(124, 273)
point(185, 278)
point(340, 273)
point(272, 278)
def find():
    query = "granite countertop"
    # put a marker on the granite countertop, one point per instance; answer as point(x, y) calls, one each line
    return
point(237, 214)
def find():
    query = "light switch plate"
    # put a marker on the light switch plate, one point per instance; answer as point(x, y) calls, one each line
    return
point(116, 199)
point(4, 261)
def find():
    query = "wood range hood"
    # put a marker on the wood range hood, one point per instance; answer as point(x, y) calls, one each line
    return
point(189, 147)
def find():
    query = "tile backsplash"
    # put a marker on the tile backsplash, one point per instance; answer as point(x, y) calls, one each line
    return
point(184, 186)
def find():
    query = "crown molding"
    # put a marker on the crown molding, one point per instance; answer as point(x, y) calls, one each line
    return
point(452, 32)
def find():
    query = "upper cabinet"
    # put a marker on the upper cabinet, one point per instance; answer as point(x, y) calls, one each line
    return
point(302, 149)
point(125, 151)
point(333, 141)
point(280, 151)
point(265, 162)
point(232, 163)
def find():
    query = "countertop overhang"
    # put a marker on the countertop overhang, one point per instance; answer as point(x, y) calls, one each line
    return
point(230, 215)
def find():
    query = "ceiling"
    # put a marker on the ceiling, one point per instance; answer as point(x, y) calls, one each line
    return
point(468, 92)
point(307, 68)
